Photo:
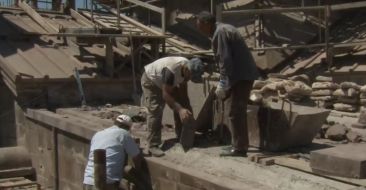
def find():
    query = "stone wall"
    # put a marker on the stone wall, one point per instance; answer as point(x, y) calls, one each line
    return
point(37, 128)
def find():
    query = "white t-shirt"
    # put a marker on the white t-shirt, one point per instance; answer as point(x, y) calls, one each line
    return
point(154, 70)
point(116, 142)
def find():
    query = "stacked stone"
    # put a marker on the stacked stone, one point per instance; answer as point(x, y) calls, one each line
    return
point(363, 96)
point(323, 90)
point(347, 97)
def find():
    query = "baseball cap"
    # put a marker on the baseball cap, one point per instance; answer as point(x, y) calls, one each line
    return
point(124, 119)
point(196, 67)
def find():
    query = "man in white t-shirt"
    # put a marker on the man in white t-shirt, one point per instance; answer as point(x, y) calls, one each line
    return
point(165, 81)
point(117, 141)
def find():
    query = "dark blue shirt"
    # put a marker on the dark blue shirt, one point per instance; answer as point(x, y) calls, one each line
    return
point(233, 55)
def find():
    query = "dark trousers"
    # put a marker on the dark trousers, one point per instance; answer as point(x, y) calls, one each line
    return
point(236, 105)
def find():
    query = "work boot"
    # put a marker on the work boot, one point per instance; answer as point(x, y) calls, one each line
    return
point(227, 148)
point(234, 153)
point(156, 151)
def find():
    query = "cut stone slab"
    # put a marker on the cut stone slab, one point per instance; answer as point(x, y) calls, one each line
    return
point(345, 161)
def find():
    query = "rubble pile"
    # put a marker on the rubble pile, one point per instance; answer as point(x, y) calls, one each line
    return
point(340, 132)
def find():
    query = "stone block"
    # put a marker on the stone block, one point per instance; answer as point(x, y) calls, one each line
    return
point(345, 161)
point(278, 128)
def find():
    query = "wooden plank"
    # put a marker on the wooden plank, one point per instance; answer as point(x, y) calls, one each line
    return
point(10, 183)
point(17, 172)
point(134, 6)
point(8, 69)
point(80, 18)
point(146, 5)
point(305, 167)
point(37, 17)
point(178, 44)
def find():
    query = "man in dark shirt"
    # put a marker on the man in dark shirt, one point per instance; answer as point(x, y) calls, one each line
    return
point(237, 73)
point(165, 81)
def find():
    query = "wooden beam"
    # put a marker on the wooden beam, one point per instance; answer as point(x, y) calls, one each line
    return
point(337, 7)
point(95, 35)
point(147, 5)
point(80, 18)
point(272, 10)
point(134, 6)
point(37, 17)
point(307, 46)
point(178, 44)
point(346, 6)
point(109, 57)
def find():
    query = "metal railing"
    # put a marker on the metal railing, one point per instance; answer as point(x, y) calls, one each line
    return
point(327, 11)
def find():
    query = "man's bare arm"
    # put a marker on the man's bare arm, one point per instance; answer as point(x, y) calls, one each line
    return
point(169, 99)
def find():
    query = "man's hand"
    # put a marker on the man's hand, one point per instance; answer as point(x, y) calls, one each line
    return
point(222, 88)
point(184, 114)
point(220, 93)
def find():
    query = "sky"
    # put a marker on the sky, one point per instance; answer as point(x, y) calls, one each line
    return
point(41, 4)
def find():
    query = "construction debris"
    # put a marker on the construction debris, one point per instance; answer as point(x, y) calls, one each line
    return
point(336, 132)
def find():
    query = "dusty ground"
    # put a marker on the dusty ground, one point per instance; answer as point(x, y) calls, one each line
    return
point(242, 170)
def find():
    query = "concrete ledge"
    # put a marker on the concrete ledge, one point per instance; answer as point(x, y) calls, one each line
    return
point(68, 124)
point(166, 175)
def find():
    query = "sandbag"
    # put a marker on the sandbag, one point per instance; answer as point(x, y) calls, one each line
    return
point(348, 100)
point(323, 79)
point(324, 85)
point(258, 84)
point(363, 89)
point(322, 92)
point(297, 88)
point(363, 95)
point(345, 107)
point(322, 98)
point(350, 92)
point(347, 85)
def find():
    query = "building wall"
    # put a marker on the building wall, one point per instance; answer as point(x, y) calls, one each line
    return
point(7, 117)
